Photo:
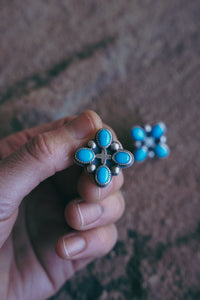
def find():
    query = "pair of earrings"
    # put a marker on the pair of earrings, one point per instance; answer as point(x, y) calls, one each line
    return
point(103, 157)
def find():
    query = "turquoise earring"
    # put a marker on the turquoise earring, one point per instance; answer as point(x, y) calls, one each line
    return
point(103, 157)
point(150, 141)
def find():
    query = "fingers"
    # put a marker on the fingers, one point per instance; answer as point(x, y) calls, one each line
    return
point(83, 216)
point(96, 233)
point(12, 142)
point(41, 158)
point(44, 155)
point(69, 178)
point(92, 219)
point(92, 243)
point(90, 192)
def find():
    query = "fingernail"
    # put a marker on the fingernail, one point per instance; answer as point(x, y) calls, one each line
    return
point(81, 126)
point(89, 213)
point(73, 245)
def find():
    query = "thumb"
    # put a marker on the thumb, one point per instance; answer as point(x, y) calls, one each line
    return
point(40, 158)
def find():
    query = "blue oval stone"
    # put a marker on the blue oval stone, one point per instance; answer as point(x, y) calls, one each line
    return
point(140, 154)
point(162, 150)
point(85, 155)
point(103, 175)
point(138, 133)
point(104, 138)
point(158, 130)
point(122, 158)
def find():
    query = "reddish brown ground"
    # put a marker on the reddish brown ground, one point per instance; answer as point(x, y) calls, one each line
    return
point(133, 62)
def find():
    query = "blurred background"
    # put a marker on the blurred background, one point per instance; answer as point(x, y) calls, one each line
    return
point(133, 62)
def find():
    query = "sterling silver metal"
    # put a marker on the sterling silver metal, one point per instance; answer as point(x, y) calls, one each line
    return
point(104, 156)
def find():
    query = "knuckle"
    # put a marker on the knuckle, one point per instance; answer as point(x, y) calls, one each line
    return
point(6, 210)
point(39, 146)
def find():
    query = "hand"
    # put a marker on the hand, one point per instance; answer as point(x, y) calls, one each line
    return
point(53, 218)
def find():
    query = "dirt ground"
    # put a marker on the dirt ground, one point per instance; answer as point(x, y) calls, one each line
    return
point(133, 62)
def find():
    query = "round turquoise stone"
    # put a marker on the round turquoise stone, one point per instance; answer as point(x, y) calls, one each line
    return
point(103, 175)
point(85, 155)
point(161, 150)
point(158, 130)
point(138, 133)
point(104, 138)
point(140, 154)
point(122, 158)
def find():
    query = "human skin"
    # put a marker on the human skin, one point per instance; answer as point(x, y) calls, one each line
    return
point(53, 219)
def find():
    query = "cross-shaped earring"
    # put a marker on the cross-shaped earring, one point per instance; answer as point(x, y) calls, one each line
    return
point(150, 141)
point(103, 157)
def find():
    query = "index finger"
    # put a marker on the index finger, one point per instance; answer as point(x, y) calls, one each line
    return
point(14, 141)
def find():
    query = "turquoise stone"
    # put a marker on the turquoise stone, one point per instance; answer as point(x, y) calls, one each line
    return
point(104, 138)
point(141, 154)
point(103, 175)
point(161, 150)
point(122, 158)
point(85, 155)
point(158, 130)
point(138, 133)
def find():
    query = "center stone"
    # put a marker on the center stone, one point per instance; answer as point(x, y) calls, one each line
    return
point(103, 156)
point(149, 142)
